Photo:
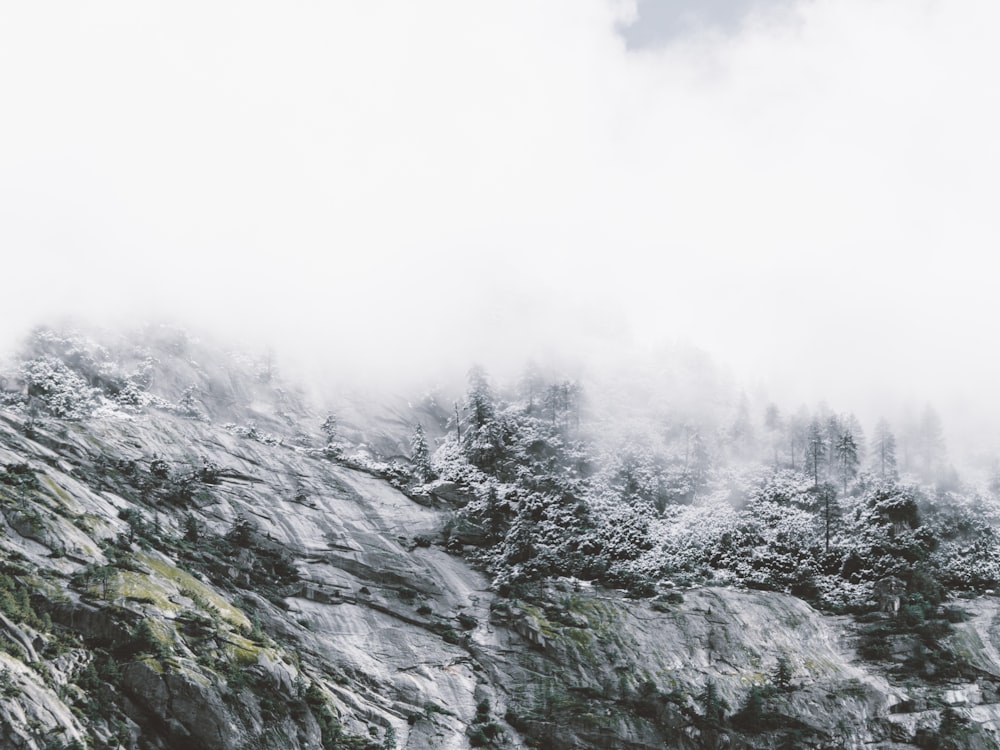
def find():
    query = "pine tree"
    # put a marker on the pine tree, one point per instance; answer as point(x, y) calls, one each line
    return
point(483, 439)
point(884, 451)
point(752, 715)
point(782, 678)
point(479, 399)
point(713, 705)
point(329, 427)
point(826, 501)
point(192, 529)
point(420, 455)
point(798, 440)
point(493, 515)
point(853, 425)
point(816, 449)
point(846, 449)
point(834, 431)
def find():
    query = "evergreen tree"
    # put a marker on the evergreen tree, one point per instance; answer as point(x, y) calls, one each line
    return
point(329, 427)
point(834, 429)
point(192, 529)
point(816, 450)
point(782, 677)
point(752, 716)
point(483, 440)
point(562, 402)
point(107, 579)
point(697, 460)
point(826, 503)
point(493, 515)
point(846, 449)
point(853, 425)
point(479, 399)
point(884, 451)
point(713, 705)
point(713, 708)
point(798, 440)
point(420, 455)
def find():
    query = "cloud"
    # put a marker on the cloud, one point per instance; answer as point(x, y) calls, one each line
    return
point(810, 197)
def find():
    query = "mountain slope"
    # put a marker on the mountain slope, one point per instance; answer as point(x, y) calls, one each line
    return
point(206, 572)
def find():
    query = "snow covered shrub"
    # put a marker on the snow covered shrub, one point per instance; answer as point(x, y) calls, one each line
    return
point(130, 398)
point(60, 390)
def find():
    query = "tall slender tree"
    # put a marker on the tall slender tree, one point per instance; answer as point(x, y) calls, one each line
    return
point(846, 450)
point(419, 454)
point(816, 449)
point(884, 450)
point(483, 439)
point(797, 437)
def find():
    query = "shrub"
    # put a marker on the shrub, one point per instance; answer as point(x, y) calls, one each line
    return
point(61, 391)
point(467, 622)
point(20, 475)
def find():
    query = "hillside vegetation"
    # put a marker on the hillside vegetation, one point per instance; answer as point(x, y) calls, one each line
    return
point(195, 556)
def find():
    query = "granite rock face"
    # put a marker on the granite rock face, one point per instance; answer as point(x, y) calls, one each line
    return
point(179, 583)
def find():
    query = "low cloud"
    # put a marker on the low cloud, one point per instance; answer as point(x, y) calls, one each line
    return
point(381, 186)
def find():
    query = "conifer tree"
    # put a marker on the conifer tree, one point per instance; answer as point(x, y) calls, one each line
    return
point(482, 441)
point(420, 455)
point(782, 673)
point(846, 449)
point(329, 427)
point(816, 449)
point(713, 705)
point(884, 451)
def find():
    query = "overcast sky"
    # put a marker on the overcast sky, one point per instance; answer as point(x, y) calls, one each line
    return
point(806, 190)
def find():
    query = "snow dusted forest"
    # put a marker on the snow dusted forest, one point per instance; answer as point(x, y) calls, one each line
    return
point(851, 569)
point(804, 502)
point(666, 477)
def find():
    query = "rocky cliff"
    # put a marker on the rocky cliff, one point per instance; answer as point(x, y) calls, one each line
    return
point(197, 566)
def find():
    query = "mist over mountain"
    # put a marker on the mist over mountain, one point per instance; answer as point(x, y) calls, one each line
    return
point(199, 553)
point(588, 373)
point(802, 189)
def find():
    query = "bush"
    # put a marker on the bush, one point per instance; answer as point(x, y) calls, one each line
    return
point(20, 475)
point(955, 614)
point(467, 622)
point(61, 391)
point(145, 640)
point(874, 648)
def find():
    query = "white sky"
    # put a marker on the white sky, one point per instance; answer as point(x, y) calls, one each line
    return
point(810, 195)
